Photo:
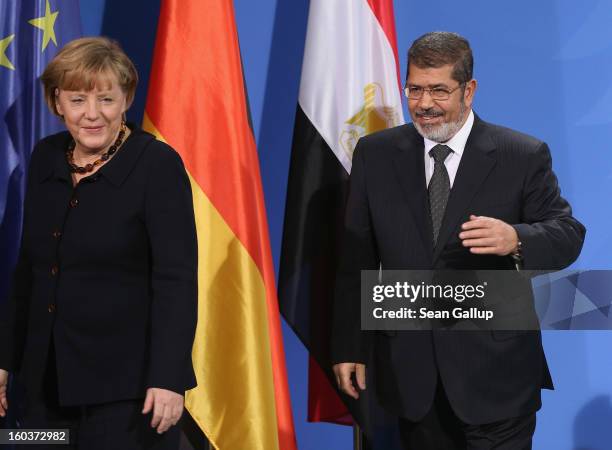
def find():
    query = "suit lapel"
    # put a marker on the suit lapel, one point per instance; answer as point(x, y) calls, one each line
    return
point(476, 163)
point(409, 168)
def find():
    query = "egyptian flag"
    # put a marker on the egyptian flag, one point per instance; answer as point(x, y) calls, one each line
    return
point(349, 88)
point(197, 104)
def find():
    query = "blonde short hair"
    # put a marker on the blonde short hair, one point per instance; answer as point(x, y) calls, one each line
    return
point(84, 63)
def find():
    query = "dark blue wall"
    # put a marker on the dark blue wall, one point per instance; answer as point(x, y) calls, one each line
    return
point(544, 68)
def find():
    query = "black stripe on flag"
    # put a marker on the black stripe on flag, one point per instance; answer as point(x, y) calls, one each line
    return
point(314, 213)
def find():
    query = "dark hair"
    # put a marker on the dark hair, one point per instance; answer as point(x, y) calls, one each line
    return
point(439, 48)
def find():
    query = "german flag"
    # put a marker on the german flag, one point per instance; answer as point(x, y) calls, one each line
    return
point(197, 104)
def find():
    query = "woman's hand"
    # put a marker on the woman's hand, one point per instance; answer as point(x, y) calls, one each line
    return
point(167, 408)
point(3, 392)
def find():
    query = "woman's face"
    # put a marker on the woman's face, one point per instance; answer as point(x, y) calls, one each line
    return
point(93, 117)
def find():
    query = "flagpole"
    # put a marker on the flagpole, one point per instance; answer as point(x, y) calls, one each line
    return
point(357, 438)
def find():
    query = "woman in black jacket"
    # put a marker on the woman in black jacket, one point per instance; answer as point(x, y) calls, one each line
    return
point(102, 314)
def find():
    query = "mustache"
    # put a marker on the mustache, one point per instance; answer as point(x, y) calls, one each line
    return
point(428, 113)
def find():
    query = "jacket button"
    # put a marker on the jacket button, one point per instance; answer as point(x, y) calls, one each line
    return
point(74, 202)
point(56, 234)
point(54, 269)
point(51, 307)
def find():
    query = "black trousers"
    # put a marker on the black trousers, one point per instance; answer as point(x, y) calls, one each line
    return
point(110, 426)
point(441, 429)
point(118, 425)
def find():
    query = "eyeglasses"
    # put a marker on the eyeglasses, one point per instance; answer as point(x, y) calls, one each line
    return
point(438, 93)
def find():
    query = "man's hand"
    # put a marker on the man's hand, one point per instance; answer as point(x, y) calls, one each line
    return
point(3, 392)
point(488, 236)
point(167, 408)
point(343, 372)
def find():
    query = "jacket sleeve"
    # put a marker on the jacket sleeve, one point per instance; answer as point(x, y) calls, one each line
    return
point(349, 342)
point(551, 238)
point(14, 309)
point(170, 224)
point(13, 315)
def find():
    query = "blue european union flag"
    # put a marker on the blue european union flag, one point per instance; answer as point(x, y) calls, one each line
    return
point(31, 33)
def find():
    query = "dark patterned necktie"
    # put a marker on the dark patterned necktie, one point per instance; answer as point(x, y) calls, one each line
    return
point(439, 188)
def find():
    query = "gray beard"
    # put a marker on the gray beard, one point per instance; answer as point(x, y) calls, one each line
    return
point(442, 132)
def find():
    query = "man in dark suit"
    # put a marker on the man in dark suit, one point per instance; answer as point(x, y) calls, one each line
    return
point(450, 191)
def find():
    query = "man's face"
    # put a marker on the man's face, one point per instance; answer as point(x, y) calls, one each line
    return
point(439, 120)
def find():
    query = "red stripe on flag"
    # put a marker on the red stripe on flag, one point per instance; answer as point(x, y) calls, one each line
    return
point(324, 404)
point(383, 10)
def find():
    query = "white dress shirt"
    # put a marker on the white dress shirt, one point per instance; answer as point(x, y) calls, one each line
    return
point(456, 144)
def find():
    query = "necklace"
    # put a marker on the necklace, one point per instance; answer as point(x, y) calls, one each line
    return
point(105, 156)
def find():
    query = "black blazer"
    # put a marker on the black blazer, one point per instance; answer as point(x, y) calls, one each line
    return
point(107, 270)
point(487, 375)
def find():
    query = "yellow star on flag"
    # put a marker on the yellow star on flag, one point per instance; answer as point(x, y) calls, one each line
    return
point(4, 43)
point(46, 23)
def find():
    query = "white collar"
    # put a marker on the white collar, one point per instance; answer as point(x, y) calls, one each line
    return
point(458, 141)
